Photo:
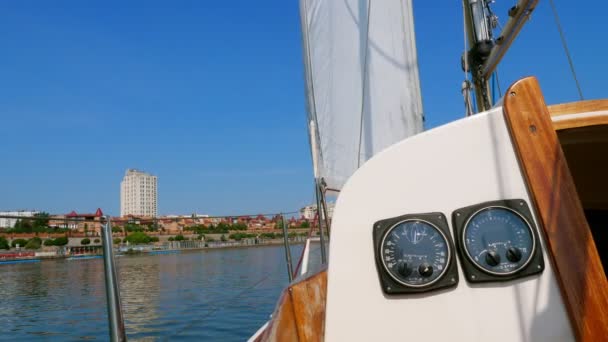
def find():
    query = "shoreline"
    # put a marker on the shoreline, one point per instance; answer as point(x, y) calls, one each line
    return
point(142, 251)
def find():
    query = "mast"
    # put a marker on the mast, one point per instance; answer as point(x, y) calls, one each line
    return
point(486, 51)
point(478, 25)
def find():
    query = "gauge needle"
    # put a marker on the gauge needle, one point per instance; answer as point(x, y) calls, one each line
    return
point(484, 241)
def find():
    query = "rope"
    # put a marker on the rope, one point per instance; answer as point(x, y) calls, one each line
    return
point(565, 45)
point(369, 10)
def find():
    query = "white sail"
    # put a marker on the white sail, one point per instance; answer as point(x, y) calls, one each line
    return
point(362, 85)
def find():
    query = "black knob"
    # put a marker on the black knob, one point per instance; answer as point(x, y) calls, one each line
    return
point(513, 254)
point(404, 269)
point(492, 258)
point(425, 269)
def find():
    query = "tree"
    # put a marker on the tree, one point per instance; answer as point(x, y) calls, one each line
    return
point(61, 241)
point(86, 230)
point(116, 241)
point(23, 226)
point(97, 241)
point(179, 238)
point(222, 227)
point(49, 242)
point(240, 236)
point(20, 242)
point(85, 241)
point(41, 221)
point(4, 243)
point(34, 243)
point(138, 238)
point(132, 227)
point(239, 226)
point(223, 238)
point(305, 224)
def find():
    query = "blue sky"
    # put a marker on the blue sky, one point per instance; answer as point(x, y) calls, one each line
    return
point(208, 95)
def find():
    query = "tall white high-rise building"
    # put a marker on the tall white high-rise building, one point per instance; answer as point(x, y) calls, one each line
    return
point(138, 194)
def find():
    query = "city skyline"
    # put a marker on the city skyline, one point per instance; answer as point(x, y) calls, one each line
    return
point(211, 97)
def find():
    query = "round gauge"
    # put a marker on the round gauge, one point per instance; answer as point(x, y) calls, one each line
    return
point(415, 253)
point(498, 240)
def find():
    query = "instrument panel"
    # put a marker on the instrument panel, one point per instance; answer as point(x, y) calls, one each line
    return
point(498, 240)
point(495, 241)
point(415, 253)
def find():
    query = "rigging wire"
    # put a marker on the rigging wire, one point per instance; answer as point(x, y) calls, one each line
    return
point(466, 85)
point(566, 50)
point(244, 215)
point(493, 81)
point(369, 10)
point(498, 83)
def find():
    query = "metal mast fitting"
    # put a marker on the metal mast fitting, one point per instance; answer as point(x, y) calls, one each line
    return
point(486, 52)
point(479, 34)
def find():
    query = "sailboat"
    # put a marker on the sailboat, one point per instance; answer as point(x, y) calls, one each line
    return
point(489, 228)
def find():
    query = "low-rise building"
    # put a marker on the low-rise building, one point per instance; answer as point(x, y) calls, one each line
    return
point(86, 223)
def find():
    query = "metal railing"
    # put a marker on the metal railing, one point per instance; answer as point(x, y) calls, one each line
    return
point(115, 317)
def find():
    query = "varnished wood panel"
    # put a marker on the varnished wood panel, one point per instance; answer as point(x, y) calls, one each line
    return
point(578, 107)
point(580, 274)
point(563, 121)
point(300, 314)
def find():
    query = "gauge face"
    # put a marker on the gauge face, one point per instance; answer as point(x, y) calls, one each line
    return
point(498, 240)
point(415, 253)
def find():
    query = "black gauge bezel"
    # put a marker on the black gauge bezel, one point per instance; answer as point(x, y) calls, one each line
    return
point(475, 273)
point(391, 285)
point(388, 232)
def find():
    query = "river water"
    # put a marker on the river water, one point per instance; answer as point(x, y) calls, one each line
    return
point(223, 294)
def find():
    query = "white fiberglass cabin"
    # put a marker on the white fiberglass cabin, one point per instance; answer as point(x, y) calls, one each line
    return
point(473, 231)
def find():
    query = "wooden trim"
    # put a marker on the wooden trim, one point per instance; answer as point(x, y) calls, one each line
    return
point(575, 258)
point(579, 114)
point(300, 314)
point(578, 107)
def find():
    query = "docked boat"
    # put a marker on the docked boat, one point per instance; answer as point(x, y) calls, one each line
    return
point(489, 228)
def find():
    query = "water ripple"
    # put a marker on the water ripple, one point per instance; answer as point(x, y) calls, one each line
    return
point(204, 295)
